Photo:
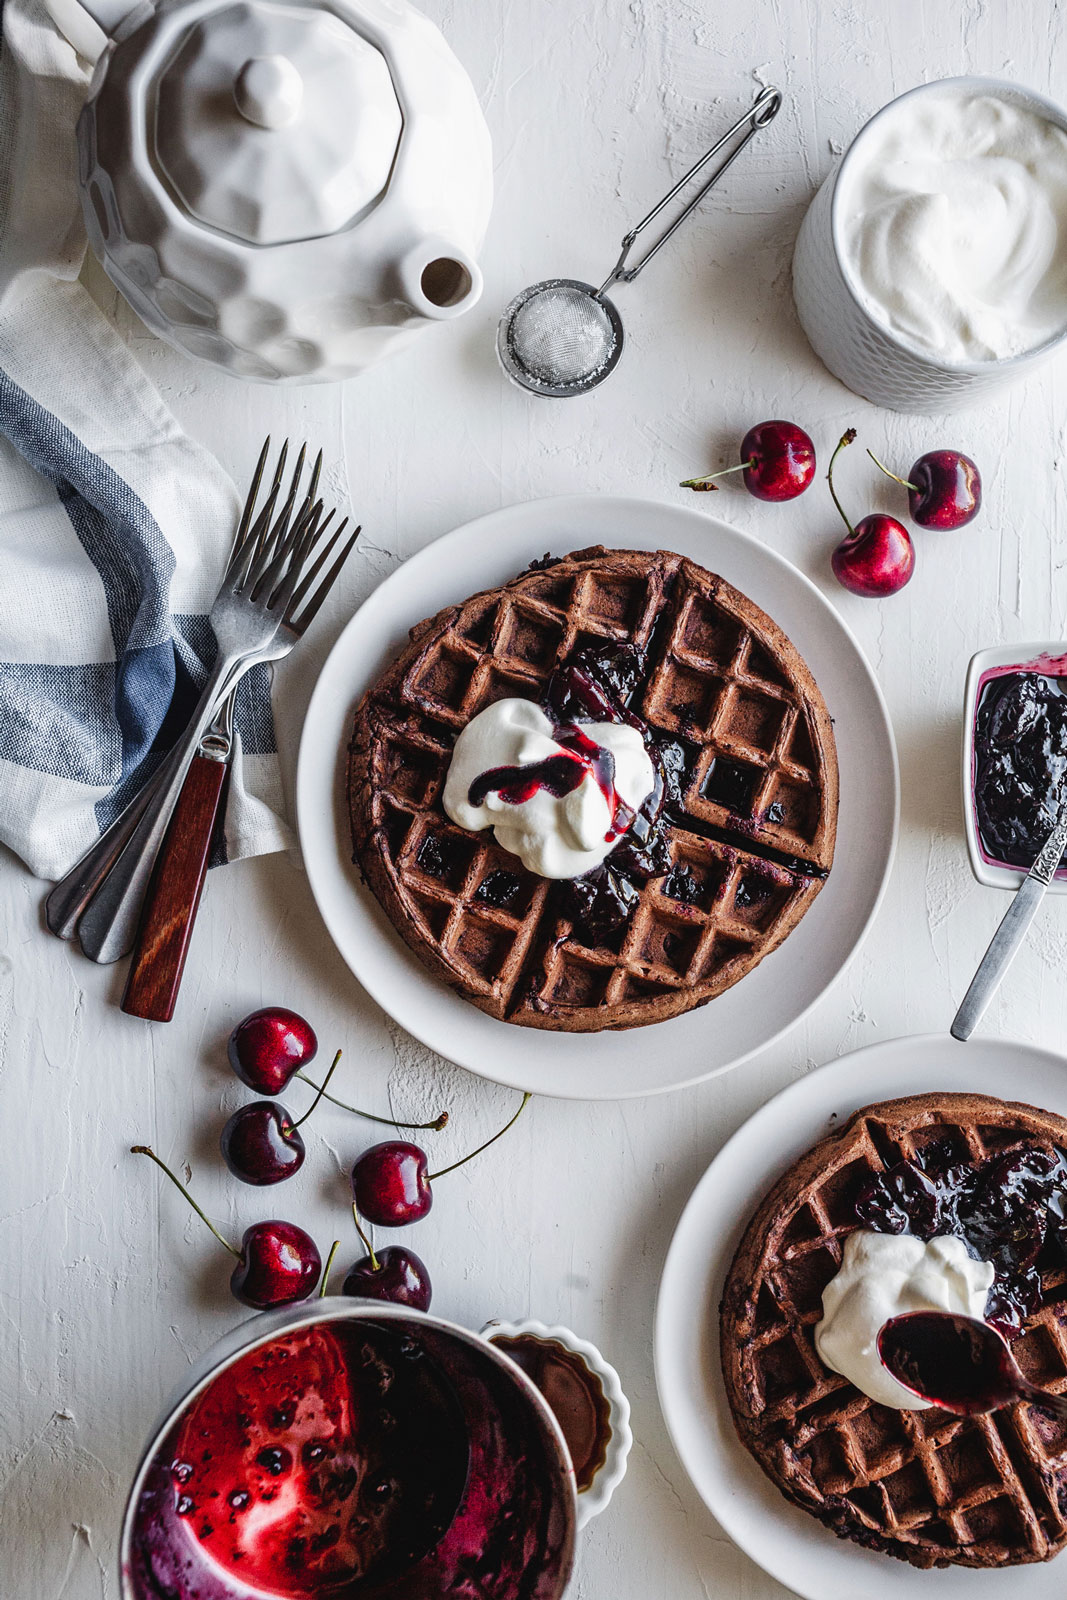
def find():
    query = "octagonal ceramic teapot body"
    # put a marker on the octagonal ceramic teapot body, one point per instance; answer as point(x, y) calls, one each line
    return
point(288, 189)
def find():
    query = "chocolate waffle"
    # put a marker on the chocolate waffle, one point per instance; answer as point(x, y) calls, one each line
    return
point(752, 818)
point(926, 1486)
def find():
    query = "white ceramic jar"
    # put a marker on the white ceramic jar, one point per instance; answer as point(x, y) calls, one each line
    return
point(288, 191)
point(866, 354)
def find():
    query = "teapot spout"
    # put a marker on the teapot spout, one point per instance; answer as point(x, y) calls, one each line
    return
point(440, 280)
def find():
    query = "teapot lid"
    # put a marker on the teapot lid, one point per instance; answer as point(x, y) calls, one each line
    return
point(274, 123)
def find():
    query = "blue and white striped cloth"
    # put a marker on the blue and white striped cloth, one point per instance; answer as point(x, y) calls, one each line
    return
point(114, 526)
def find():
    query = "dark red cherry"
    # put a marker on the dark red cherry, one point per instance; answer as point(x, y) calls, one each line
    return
point(278, 1264)
point(395, 1273)
point(945, 490)
point(266, 1049)
point(390, 1184)
point(260, 1143)
point(876, 557)
point(777, 462)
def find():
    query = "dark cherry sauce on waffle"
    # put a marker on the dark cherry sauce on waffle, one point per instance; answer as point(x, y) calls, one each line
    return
point(1020, 763)
point(597, 684)
point(1010, 1209)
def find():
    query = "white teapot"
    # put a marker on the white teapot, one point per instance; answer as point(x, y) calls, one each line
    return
point(286, 190)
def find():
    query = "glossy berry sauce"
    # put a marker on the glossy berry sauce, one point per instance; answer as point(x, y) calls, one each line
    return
point(1020, 763)
point(353, 1459)
point(598, 684)
point(559, 775)
point(952, 1361)
point(1009, 1209)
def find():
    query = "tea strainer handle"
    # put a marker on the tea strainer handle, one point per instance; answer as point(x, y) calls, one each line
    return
point(763, 110)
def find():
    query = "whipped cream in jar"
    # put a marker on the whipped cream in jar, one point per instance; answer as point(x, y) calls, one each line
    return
point(931, 266)
point(954, 222)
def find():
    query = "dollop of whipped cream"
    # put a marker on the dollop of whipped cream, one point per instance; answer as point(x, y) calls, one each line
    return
point(955, 225)
point(884, 1275)
point(554, 835)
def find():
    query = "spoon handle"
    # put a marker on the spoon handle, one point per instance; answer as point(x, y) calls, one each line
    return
point(1003, 947)
point(1056, 1403)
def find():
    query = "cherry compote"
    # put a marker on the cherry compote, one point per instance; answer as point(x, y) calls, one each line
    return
point(1020, 762)
point(1010, 1210)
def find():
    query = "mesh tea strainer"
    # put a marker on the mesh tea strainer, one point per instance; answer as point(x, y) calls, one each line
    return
point(562, 337)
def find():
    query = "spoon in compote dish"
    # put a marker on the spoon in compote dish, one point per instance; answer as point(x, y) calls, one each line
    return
point(960, 1364)
point(1011, 930)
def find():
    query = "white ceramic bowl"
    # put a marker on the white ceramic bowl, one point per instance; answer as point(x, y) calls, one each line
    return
point(608, 1476)
point(866, 355)
point(1049, 655)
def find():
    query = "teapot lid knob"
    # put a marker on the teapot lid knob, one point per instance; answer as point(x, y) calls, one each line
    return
point(268, 91)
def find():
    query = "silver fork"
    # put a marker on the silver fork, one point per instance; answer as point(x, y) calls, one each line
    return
point(271, 591)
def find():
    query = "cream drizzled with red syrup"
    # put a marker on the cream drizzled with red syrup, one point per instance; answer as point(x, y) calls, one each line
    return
point(560, 775)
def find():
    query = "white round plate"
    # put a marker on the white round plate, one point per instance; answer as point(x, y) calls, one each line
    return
point(605, 1066)
point(788, 1543)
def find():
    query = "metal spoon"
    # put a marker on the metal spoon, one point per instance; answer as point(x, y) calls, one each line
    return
point(1011, 931)
point(960, 1364)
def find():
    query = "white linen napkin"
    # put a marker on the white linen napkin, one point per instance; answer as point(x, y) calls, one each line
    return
point(114, 526)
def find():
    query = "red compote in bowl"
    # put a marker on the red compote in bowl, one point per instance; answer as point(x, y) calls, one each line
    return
point(1014, 758)
point(369, 1452)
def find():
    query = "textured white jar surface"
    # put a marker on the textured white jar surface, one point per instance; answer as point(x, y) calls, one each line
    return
point(857, 349)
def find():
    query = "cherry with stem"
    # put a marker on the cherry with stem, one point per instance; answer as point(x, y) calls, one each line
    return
point(391, 1184)
point(395, 1274)
point(278, 1263)
point(944, 488)
point(261, 1144)
point(777, 459)
point(876, 557)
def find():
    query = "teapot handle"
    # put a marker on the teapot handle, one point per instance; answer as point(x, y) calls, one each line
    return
point(88, 24)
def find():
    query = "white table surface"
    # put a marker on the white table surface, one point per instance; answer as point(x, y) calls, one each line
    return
point(108, 1285)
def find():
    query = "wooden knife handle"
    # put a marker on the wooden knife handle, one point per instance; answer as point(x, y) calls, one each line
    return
point(174, 895)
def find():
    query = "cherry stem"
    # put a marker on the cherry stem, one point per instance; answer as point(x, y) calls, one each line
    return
point(708, 481)
point(846, 438)
point(375, 1264)
point(435, 1126)
point(431, 1177)
point(318, 1097)
point(144, 1150)
point(326, 1269)
point(914, 487)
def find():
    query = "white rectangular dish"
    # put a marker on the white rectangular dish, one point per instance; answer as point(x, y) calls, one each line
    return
point(1047, 656)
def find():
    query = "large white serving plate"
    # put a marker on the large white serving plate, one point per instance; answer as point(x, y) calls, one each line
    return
point(785, 1541)
point(603, 1066)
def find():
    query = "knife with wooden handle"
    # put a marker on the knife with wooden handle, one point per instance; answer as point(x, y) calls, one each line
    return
point(1011, 931)
point(173, 897)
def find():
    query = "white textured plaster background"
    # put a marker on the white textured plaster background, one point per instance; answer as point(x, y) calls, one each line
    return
point(109, 1286)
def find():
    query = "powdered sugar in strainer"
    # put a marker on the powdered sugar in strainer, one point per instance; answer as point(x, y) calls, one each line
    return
point(562, 337)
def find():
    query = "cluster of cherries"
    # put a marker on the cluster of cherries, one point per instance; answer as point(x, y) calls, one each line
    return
point(277, 1262)
point(876, 557)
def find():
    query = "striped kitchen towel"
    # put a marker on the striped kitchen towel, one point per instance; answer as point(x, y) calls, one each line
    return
point(114, 526)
